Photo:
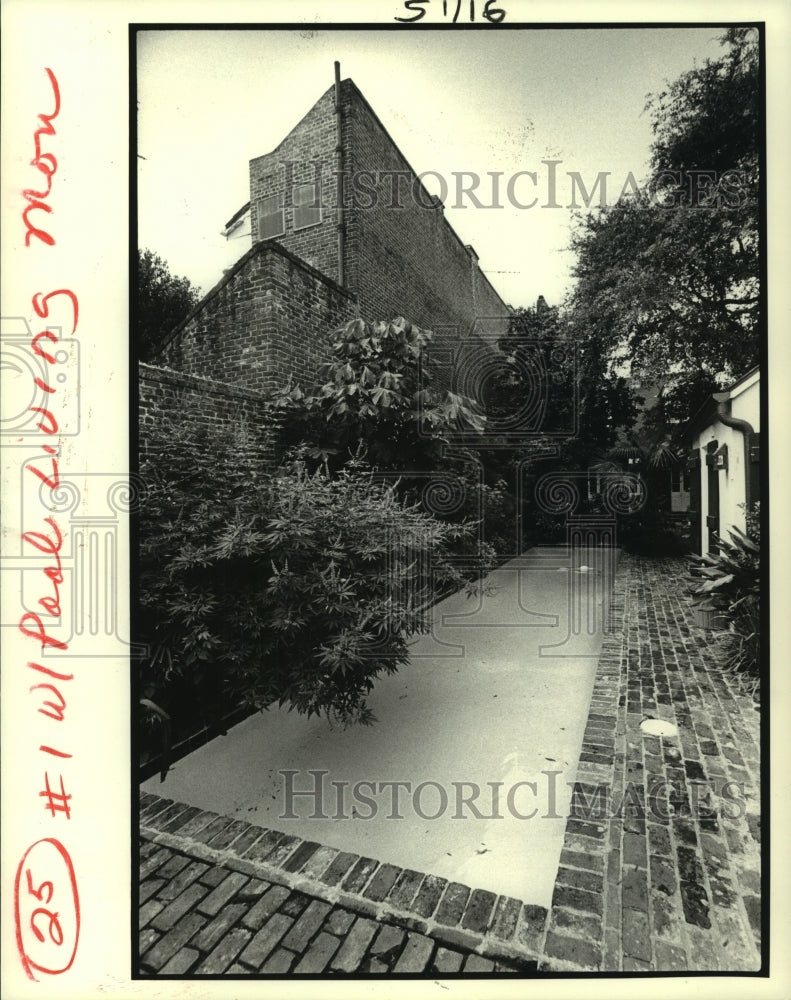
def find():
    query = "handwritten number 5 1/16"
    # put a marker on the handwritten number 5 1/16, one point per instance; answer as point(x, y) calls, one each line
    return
point(418, 8)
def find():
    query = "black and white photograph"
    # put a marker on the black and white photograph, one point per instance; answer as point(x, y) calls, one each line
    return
point(391, 461)
point(449, 567)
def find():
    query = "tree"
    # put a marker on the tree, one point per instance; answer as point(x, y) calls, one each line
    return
point(382, 396)
point(582, 407)
point(380, 389)
point(668, 277)
point(580, 391)
point(162, 302)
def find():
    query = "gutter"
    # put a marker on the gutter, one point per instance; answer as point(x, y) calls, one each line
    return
point(339, 171)
point(723, 400)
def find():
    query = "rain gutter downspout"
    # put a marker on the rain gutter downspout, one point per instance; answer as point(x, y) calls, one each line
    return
point(339, 172)
point(724, 416)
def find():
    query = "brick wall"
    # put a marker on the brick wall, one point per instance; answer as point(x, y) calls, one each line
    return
point(306, 155)
point(269, 316)
point(198, 403)
point(267, 319)
point(404, 260)
point(407, 260)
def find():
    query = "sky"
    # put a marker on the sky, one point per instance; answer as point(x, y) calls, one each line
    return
point(482, 101)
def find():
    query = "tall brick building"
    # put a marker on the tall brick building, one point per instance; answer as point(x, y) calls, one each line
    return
point(340, 226)
point(390, 245)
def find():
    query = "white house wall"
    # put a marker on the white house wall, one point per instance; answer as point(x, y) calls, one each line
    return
point(237, 242)
point(745, 405)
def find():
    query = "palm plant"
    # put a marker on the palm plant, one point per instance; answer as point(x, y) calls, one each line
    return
point(729, 586)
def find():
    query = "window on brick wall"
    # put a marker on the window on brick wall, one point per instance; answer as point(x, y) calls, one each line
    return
point(307, 206)
point(270, 216)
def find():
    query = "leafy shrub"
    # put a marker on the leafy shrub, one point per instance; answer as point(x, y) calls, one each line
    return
point(741, 644)
point(544, 528)
point(653, 533)
point(499, 517)
point(379, 389)
point(752, 516)
point(296, 588)
point(382, 398)
point(730, 584)
point(730, 573)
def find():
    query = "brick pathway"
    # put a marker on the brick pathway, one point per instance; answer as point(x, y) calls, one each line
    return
point(671, 879)
point(656, 878)
point(221, 896)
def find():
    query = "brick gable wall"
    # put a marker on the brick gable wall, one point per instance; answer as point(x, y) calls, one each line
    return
point(404, 260)
point(306, 155)
point(407, 260)
point(268, 319)
point(269, 316)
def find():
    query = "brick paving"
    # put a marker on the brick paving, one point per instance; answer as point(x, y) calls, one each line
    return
point(666, 875)
point(654, 876)
point(225, 897)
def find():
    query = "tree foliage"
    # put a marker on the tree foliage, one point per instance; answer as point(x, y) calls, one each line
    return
point(383, 395)
point(580, 392)
point(381, 390)
point(162, 302)
point(296, 588)
point(668, 277)
point(709, 118)
point(559, 404)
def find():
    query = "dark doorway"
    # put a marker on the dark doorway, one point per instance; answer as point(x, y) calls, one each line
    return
point(694, 512)
point(713, 505)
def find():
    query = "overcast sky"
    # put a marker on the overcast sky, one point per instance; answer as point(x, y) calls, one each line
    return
point(487, 100)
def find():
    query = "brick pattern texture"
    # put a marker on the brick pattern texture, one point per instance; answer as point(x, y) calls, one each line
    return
point(305, 156)
point(267, 319)
point(666, 875)
point(401, 256)
point(198, 403)
point(220, 896)
point(270, 315)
